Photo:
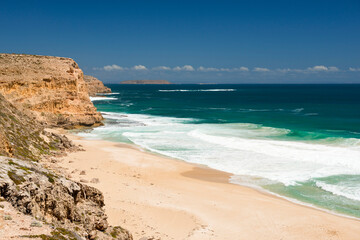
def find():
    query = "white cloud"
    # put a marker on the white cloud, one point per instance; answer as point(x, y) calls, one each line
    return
point(354, 69)
point(333, 69)
point(241, 69)
point(139, 67)
point(318, 68)
point(209, 69)
point(259, 69)
point(284, 70)
point(212, 69)
point(289, 70)
point(161, 68)
point(322, 68)
point(112, 67)
point(184, 68)
point(188, 68)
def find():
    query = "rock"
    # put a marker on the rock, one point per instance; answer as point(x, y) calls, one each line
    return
point(50, 89)
point(95, 180)
point(35, 224)
point(101, 225)
point(92, 235)
point(95, 86)
point(147, 238)
point(84, 181)
point(7, 217)
point(82, 172)
point(119, 233)
point(68, 205)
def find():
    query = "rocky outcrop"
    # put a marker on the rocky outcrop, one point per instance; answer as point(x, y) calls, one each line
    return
point(73, 208)
point(23, 137)
point(37, 92)
point(145, 82)
point(52, 89)
point(95, 86)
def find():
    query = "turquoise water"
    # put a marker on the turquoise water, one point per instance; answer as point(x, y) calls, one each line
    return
point(299, 141)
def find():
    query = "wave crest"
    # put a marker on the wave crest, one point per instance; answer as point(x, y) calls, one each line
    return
point(102, 98)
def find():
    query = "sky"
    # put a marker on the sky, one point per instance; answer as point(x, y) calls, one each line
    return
point(192, 41)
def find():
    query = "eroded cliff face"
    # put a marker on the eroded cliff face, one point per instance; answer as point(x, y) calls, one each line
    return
point(23, 137)
point(74, 210)
point(95, 86)
point(52, 89)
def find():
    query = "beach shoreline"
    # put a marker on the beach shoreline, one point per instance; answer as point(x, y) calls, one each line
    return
point(166, 198)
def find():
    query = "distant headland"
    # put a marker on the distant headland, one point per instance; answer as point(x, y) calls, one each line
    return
point(145, 82)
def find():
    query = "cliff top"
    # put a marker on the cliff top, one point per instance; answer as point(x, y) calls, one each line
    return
point(17, 66)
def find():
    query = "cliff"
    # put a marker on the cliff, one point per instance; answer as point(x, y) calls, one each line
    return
point(37, 191)
point(23, 137)
point(145, 82)
point(36, 92)
point(73, 210)
point(52, 89)
point(95, 86)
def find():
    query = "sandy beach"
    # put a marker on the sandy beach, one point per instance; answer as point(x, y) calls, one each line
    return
point(164, 198)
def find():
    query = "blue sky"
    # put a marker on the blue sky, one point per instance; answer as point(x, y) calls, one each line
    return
point(192, 41)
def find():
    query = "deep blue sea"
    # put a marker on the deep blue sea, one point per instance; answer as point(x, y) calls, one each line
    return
point(298, 141)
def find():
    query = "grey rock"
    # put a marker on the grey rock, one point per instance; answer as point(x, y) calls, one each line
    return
point(95, 180)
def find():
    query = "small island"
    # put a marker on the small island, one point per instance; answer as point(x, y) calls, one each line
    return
point(145, 82)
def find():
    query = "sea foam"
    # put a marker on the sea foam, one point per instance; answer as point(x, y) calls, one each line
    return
point(241, 149)
point(102, 98)
point(104, 94)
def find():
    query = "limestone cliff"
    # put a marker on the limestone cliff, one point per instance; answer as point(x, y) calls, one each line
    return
point(95, 86)
point(51, 88)
point(74, 210)
point(44, 91)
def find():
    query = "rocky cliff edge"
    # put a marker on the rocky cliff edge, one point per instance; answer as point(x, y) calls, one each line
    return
point(52, 89)
point(95, 86)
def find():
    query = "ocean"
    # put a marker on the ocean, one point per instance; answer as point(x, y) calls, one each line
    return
point(301, 142)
